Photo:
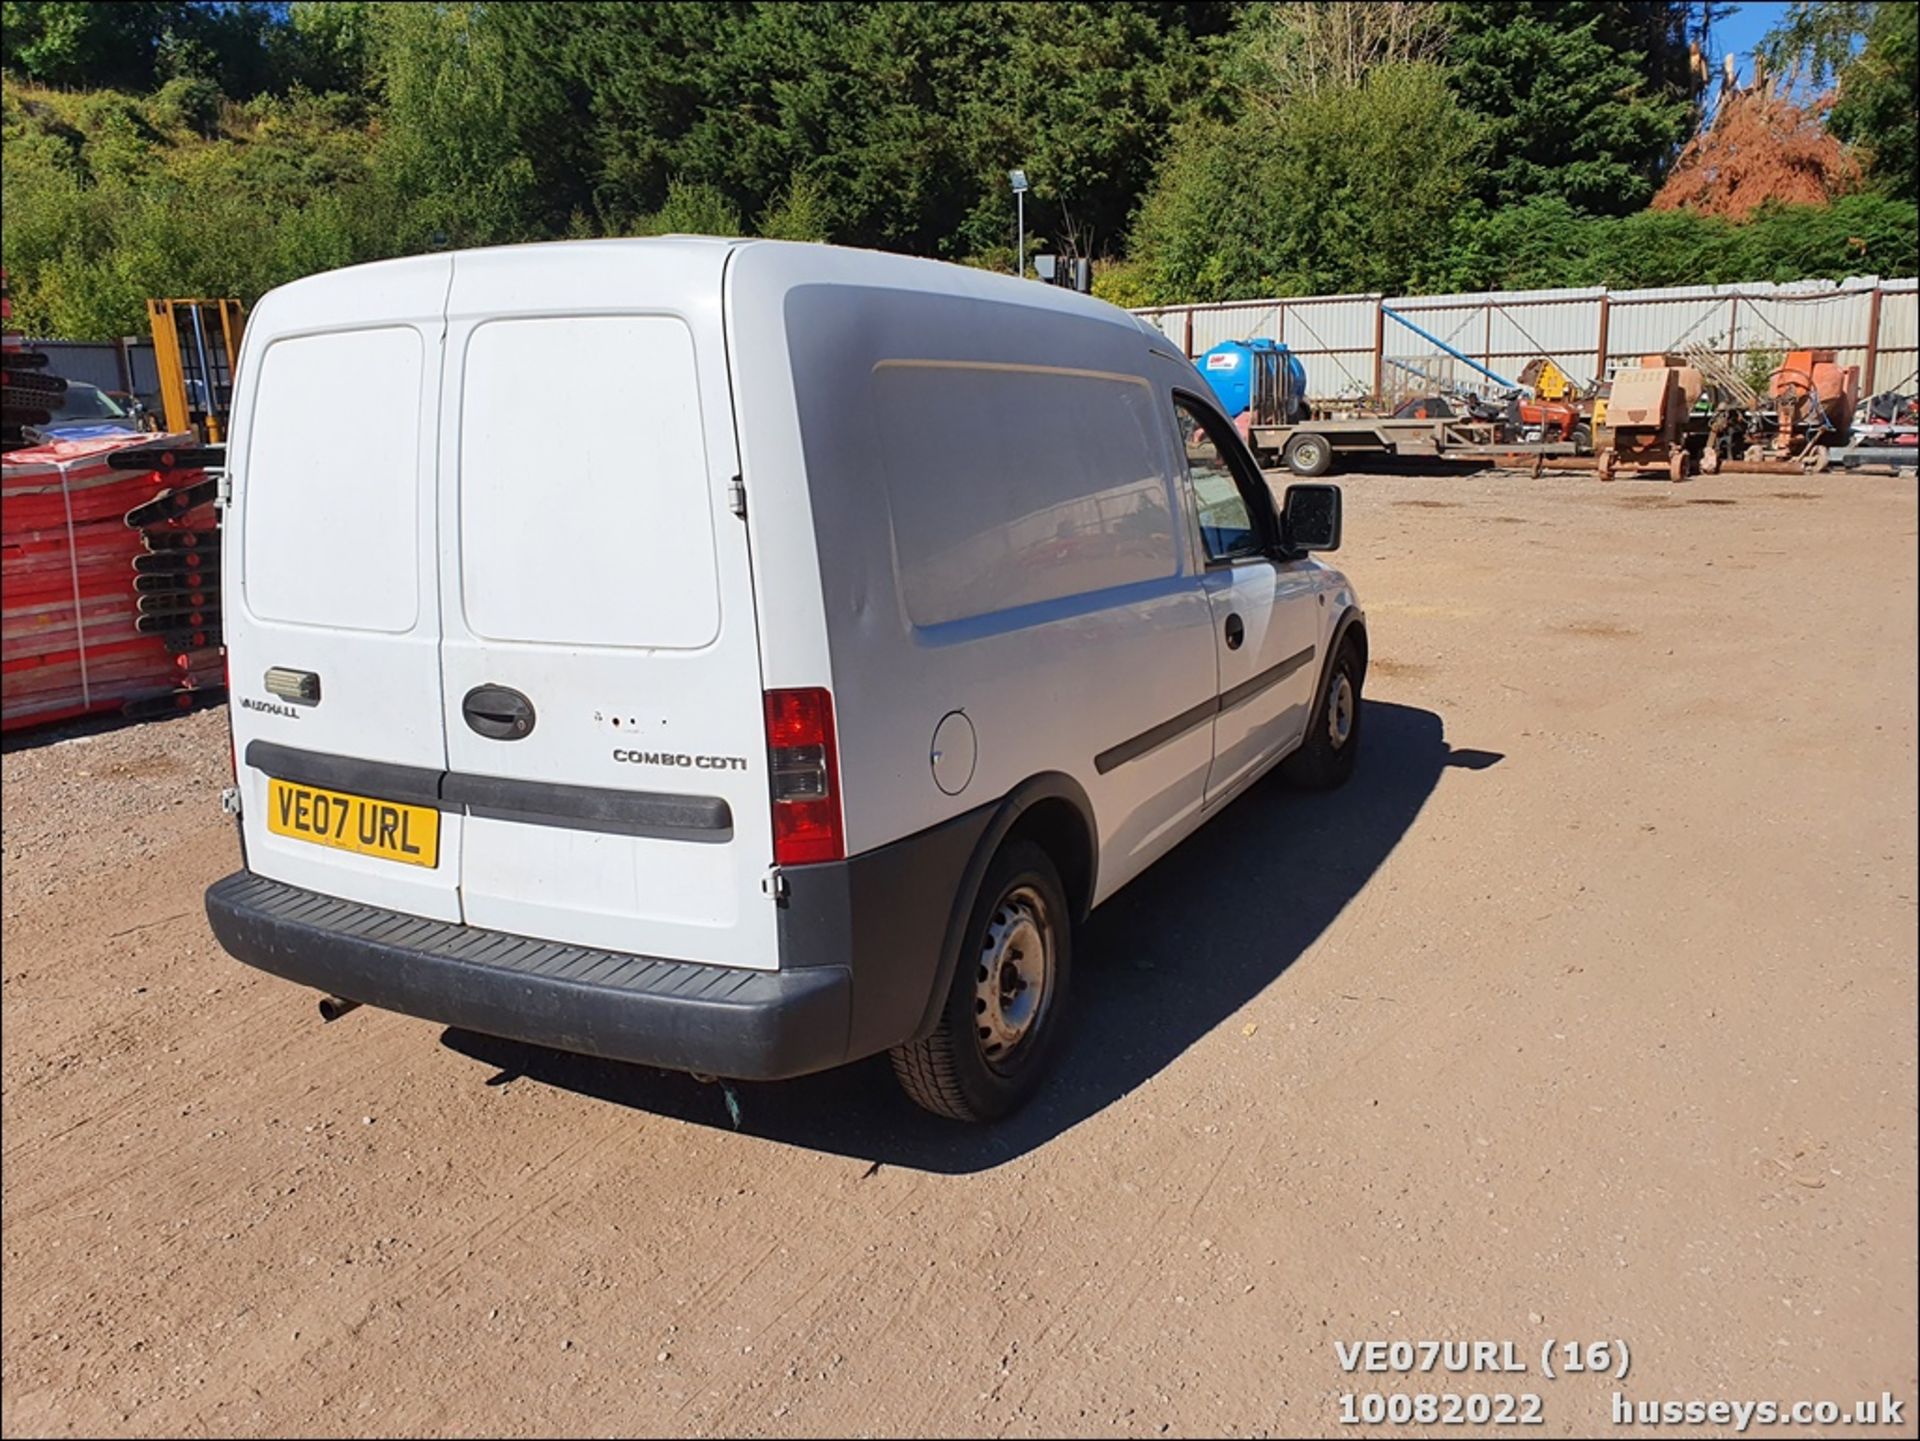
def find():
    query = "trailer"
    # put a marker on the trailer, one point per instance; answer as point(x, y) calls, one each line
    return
point(1282, 431)
point(1314, 447)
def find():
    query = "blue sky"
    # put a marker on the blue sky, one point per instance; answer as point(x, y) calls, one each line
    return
point(1740, 32)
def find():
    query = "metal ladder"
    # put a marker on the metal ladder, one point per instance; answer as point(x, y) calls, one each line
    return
point(1714, 367)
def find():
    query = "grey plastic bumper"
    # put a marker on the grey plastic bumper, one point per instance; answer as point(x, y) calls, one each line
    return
point(752, 1025)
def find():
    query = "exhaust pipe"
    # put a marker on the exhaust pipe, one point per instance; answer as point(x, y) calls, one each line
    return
point(332, 1008)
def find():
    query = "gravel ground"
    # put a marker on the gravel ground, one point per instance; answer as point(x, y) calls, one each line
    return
point(1587, 1011)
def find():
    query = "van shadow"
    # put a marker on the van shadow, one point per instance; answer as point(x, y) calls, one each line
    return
point(1156, 968)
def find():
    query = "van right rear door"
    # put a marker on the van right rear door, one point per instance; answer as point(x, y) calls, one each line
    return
point(601, 666)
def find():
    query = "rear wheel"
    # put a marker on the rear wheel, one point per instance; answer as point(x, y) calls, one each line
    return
point(1002, 1018)
point(1325, 758)
point(1677, 464)
point(1605, 462)
point(1309, 455)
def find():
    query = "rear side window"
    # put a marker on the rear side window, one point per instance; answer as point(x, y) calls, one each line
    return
point(586, 523)
point(331, 534)
point(1010, 485)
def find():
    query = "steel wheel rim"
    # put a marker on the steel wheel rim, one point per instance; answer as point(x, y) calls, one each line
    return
point(1340, 710)
point(1308, 454)
point(1013, 976)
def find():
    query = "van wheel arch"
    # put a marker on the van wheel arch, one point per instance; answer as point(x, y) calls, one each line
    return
point(1050, 809)
point(1351, 628)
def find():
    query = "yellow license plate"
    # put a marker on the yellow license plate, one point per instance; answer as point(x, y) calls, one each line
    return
point(387, 829)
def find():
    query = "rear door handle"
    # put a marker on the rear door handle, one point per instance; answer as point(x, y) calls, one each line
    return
point(1236, 632)
point(497, 712)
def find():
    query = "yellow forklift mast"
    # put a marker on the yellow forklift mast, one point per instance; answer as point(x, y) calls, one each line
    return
point(196, 344)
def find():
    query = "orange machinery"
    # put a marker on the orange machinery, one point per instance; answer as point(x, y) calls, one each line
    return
point(1814, 400)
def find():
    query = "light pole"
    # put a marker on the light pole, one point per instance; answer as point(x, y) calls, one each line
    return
point(1018, 179)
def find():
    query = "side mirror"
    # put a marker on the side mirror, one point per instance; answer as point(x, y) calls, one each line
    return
point(1310, 517)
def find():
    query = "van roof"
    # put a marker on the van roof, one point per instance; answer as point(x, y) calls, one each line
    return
point(779, 264)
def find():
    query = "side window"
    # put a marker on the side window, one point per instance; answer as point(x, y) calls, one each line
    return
point(1228, 526)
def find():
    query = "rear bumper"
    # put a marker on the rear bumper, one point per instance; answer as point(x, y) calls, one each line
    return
point(750, 1025)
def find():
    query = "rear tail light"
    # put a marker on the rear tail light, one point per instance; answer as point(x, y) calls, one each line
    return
point(806, 777)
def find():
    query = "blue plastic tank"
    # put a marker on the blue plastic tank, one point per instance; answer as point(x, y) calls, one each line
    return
point(1228, 368)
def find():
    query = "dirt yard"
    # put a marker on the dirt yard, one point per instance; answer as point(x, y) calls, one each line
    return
point(1587, 1012)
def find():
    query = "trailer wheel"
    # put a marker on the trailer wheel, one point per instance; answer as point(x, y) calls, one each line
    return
point(1815, 459)
point(1604, 463)
point(1677, 464)
point(1309, 455)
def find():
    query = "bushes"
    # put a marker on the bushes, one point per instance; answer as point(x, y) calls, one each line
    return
point(1547, 243)
point(187, 102)
point(1343, 189)
point(109, 200)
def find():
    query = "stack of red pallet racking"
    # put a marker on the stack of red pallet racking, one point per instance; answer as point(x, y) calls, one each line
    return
point(110, 581)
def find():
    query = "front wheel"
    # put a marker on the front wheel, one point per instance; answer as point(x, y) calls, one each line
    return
point(1002, 1018)
point(1325, 758)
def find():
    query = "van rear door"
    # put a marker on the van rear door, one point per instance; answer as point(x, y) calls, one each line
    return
point(601, 666)
point(333, 607)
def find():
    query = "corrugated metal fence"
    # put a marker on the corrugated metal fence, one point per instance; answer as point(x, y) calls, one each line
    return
point(1351, 348)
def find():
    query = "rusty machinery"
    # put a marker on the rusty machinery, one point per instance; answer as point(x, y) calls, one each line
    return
point(1648, 420)
point(1812, 399)
point(196, 345)
point(1559, 409)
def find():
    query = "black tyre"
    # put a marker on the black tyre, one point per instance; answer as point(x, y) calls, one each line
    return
point(1582, 439)
point(1309, 455)
point(1325, 758)
point(1002, 1019)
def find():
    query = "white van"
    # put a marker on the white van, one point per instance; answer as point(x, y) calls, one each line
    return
point(743, 657)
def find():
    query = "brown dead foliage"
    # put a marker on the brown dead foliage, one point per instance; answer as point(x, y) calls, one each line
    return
point(1760, 147)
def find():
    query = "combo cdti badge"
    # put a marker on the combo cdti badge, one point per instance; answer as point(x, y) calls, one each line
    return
point(789, 707)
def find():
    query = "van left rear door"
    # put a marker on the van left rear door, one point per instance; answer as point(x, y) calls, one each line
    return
point(332, 584)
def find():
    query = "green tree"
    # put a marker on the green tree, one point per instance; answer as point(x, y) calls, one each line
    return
point(1082, 97)
point(325, 46)
point(1341, 190)
point(800, 213)
point(448, 143)
point(1813, 41)
point(692, 209)
point(1876, 107)
point(1583, 100)
point(71, 42)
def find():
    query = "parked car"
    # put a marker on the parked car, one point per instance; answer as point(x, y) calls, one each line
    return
point(799, 710)
point(85, 411)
